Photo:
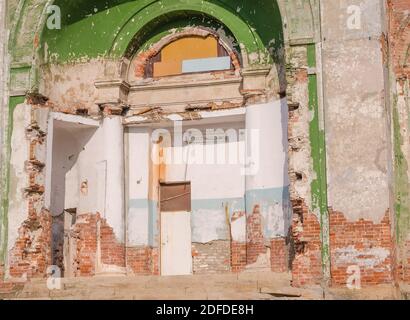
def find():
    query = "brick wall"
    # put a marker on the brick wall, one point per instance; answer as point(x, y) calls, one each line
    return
point(212, 257)
point(399, 11)
point(112, 252)
point(279, 255)
point(31, 253)
point(84, 233)
point(8, 288)
point(238, 256)
point(255, 241)
point(305, 243)
point(143, 260)
point(307, 263)
point(360, 243)
point(402, 271)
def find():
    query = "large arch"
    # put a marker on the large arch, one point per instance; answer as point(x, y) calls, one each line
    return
point(123, 20)
point(33, 45)
point(28, 32)
point(243, 33)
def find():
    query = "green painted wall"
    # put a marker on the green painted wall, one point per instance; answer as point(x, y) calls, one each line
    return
point(401, 181)
point(94, 28)
point(318, 153)
point(148, 36)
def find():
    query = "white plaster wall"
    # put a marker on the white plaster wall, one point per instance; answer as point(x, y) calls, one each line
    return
point(88, 170)
point(18, 204)
point(216, 173)
point(72, 191)
point(69, 146)
point(89, 161)
point(219, 182)
point(267, 180)
point(238, 229)
point(113, 146)
point(211, 177)
point(268, 124)
point(138, 186)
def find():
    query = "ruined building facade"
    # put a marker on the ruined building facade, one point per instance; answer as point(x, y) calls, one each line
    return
point(206, 136)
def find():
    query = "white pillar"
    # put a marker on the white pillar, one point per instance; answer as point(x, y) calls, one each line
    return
point(267, 179)
point(138, 233)
point(114, 155)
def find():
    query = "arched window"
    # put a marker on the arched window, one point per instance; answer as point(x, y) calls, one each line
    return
point(191, 54)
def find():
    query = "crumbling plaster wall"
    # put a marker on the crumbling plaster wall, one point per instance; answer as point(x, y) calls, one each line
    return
point(399, 48)
point(300, 30)
point(3, 117)
point(357, 143)
point(71, 87)
point(29, 230)
point(305, 249)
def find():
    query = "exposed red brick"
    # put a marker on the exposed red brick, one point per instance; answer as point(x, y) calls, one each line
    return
point(238, 256)
point(279, 255)
point(8, 287)
point(255, 241)
point(402, 268)
point(399, 15)
point(85, 234)
point(211, 257)
point(112, 252)
point(143, 260)
point(353, 243)
point(307, 263)
point(31, 253)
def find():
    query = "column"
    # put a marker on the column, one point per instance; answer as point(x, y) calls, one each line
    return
point(267, 192)
point(114, 155)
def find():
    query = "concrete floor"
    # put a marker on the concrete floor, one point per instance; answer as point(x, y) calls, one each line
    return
point(244, 286)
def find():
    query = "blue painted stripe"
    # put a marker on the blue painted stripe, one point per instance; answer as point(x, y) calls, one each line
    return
point(152, 208)
point(270, 195)
point(265, 198)
point(208, 64)
point(153, 224)
point(234, 204)
point(138, 203)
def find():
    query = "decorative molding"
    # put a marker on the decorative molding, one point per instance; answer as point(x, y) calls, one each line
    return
point(180, 84)
point(111, 83)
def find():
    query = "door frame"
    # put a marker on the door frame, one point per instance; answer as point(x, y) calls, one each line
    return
point(163, 183)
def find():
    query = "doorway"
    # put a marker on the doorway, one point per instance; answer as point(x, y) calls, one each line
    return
point(71, 157)
point(175, 208)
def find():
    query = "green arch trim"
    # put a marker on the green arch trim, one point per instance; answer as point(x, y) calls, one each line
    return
point(103, 33)
point(140, 19)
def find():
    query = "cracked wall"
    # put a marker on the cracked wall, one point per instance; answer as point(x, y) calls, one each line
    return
point(339, 135)
point(399, 44)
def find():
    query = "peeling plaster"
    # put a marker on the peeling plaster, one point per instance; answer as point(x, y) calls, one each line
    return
point(368, 258)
